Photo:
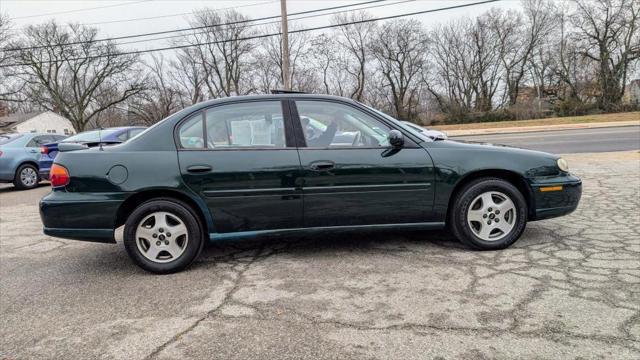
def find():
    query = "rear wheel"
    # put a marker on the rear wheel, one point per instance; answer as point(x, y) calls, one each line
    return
point(26, 177)
point(488, 214)
point(163, 236)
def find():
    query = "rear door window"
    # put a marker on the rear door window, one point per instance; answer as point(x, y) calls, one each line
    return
point(247, 124)
point(191, 133)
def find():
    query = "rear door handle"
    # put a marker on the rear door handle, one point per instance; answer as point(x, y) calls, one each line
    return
point(322, 165)
point(199, 168)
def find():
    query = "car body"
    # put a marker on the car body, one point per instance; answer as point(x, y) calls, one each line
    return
point(19, 155)
point(109, 136)
point(244, 166)
point(433, 134)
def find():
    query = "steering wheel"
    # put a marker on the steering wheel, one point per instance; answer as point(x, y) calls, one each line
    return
point(356, 139)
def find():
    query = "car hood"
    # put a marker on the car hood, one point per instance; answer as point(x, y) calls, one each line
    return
point(485, 146)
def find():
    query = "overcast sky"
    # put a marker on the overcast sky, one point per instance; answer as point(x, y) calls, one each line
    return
point(103, 13)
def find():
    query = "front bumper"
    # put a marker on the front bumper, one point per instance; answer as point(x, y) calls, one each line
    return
point(76, 216)
point(556, 196)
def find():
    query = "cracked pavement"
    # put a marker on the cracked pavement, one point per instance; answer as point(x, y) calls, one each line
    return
point(569, 288)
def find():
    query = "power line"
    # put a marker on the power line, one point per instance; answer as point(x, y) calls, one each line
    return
point(85, 9)
point(193, 28)
point(136, 52)
point(272, 22)
point(175, 15)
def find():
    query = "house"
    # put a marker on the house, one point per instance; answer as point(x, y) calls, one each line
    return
point(40, 122)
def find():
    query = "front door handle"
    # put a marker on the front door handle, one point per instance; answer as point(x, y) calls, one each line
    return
point(199, 168)
point(322, 165)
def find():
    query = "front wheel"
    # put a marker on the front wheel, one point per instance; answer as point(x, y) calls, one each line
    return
point(488, 214)
point(26, 177)
point(163, 236)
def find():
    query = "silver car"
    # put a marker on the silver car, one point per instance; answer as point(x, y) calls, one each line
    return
point(19, 154)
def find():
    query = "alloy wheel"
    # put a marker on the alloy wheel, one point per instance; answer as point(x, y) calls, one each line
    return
point(491, 216)
point(162, 237)
point(28, 177)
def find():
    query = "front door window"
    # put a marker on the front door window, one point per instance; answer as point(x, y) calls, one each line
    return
point(329, 125)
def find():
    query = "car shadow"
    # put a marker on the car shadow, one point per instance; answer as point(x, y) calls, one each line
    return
point(326, 244)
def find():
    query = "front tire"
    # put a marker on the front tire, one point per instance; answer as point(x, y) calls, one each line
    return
point(26, 177)
point(488, 214)
point(163, 236)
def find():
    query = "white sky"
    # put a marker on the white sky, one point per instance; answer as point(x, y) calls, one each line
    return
point(25, 12)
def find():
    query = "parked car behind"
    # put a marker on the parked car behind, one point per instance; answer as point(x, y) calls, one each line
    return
point(91, 138)
point(19, 155)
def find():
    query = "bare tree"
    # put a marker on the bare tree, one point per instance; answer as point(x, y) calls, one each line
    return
point(188, 76)
point(400, 47)
point(610, 34)
point(161, 98)
point(74, 80)
point(354, 41)
point(221, 51)
point(8, 88)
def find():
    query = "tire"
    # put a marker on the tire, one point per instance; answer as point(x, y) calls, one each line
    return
point(150, 243)
point(488, 214)
point(26, 177)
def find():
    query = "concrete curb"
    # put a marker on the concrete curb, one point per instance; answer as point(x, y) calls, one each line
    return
point(523, 129)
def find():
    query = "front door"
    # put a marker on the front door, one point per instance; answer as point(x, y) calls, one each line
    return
point(237, 158)
point(352, 176)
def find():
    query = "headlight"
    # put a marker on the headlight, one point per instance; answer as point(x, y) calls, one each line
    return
point(563, 165)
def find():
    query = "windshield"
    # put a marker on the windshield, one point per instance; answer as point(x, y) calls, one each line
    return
point(91, 136)
point(7, 138)
point(400, 124)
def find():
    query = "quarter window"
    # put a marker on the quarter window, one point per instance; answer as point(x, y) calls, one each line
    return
point(192, 133)
point(328, 124)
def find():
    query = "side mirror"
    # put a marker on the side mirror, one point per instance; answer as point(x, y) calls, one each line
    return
point(396, 139)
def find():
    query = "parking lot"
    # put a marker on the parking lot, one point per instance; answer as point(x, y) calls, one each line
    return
point(570, 288)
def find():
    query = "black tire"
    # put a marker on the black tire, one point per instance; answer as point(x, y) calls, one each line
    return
point(463, 200)
point(178, 209)
point(17, 179)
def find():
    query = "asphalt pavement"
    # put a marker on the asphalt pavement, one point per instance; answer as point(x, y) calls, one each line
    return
point(568, 141)
point(569, 288)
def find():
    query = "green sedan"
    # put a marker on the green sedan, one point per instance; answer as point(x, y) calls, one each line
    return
point(244, 166)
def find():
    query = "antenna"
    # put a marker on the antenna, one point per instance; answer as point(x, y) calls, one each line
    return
point(100, 138)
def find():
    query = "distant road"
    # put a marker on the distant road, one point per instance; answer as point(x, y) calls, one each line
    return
point(568, 141)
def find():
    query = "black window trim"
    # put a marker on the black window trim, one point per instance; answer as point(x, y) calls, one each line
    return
point(301, 141)
point(284, 107)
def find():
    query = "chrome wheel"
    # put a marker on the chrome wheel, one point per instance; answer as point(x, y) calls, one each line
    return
point(28, 177)
point(162, 237)
point(491, 216)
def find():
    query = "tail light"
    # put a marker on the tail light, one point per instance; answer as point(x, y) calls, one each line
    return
point(0, 153)
point(44, 150)
point(58, 175)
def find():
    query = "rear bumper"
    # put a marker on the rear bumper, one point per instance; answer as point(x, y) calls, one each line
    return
point(88, 217)
point(92, 235)
point(556, 197)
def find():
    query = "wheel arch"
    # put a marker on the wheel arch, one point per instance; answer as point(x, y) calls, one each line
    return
point(512, 177)
point(30, 162)
point(125, 209)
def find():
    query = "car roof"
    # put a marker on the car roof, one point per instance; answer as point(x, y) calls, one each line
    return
point(272, 97)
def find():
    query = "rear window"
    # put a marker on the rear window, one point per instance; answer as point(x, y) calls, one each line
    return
point(7, 138)
point(91, 136)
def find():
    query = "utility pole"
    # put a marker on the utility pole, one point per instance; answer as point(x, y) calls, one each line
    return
point(286, 77)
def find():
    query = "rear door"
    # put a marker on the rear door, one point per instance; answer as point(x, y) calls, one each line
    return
point(352, 176)
point(241, 160)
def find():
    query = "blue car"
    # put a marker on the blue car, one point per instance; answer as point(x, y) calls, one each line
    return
point(19, 154)
point(90, 138)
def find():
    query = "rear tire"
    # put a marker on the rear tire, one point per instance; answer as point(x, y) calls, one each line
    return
point(163, 236)
point(488, 214)
point(26, 177)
